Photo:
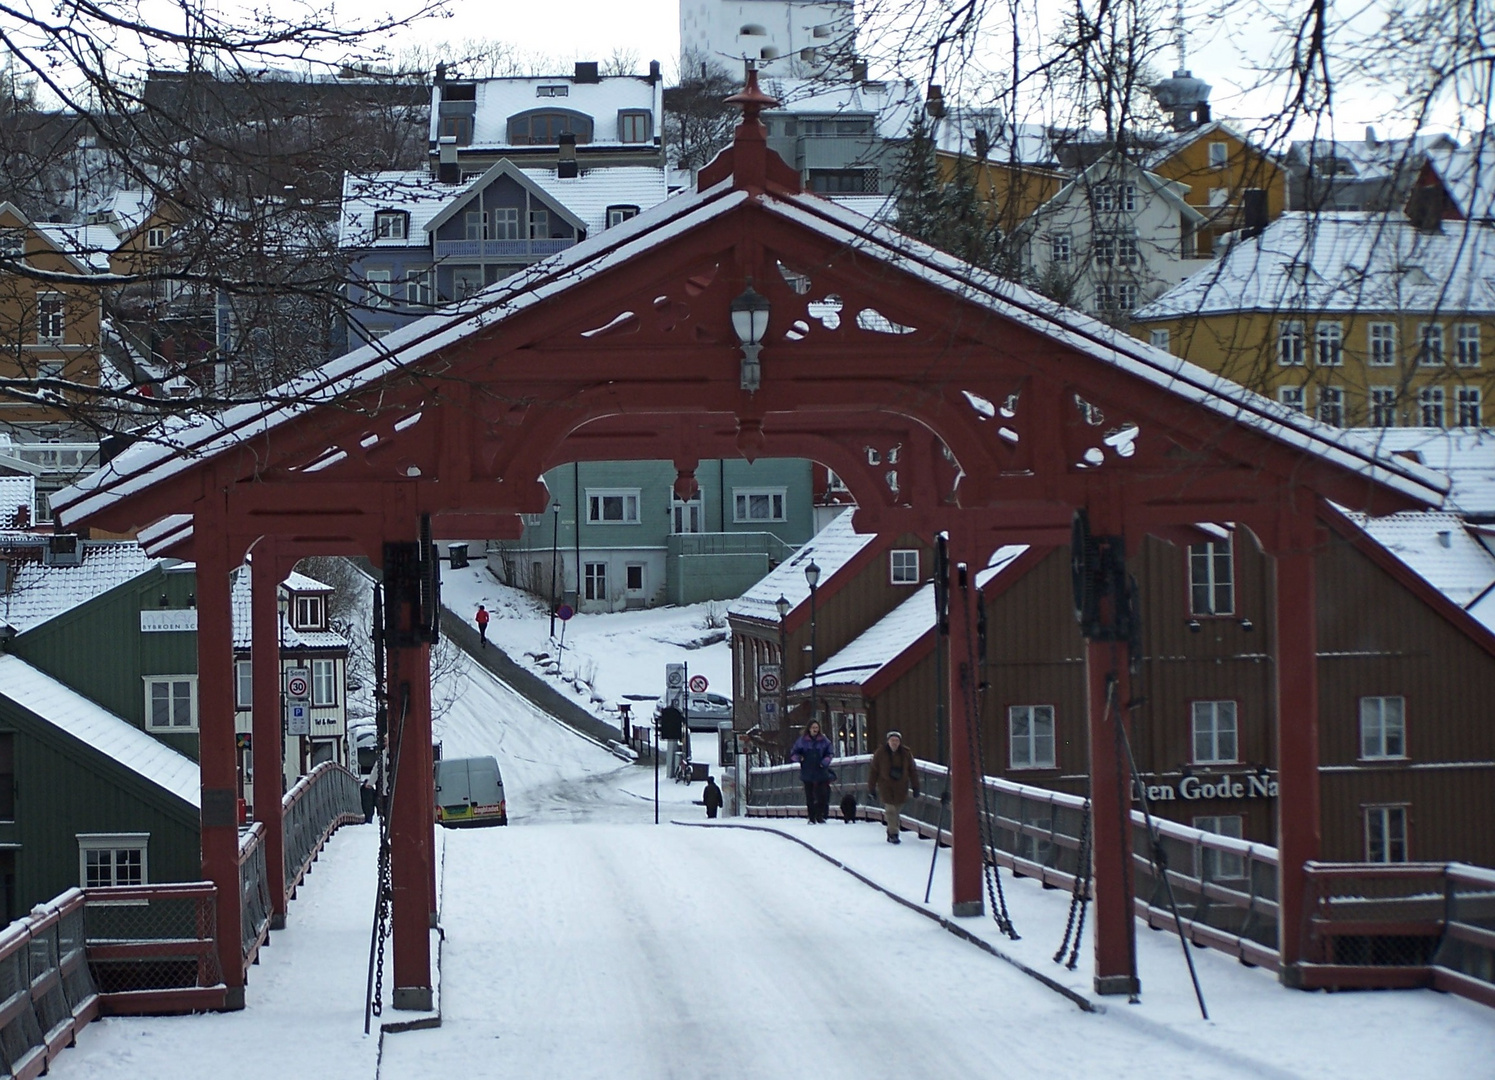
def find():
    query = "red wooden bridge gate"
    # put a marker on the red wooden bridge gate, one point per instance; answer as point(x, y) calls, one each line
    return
point(946, 399)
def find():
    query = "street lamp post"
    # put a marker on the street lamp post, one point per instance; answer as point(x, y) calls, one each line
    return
point(782, 606)
point(812, 577)
point(555, 541)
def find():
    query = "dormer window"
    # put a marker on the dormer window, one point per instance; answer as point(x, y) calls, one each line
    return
point(544, 127)
point(391, 225)
point(635, 125)
point(557, 90)
point(156, 236)
point(456, 127)
point(310, 612)
point(616, 215)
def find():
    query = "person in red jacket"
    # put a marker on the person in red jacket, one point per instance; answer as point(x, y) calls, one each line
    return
point(482, 620)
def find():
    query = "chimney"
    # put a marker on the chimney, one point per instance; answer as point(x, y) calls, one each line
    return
point(1425, 208)
point(654, 75)
point(1202, 114)
point(446, 170)
point(981, 143)
point(859, 71)
point(565, 168)
point(1253, 212)
point(934, 102)
point(586, 72)
point(1370, 137)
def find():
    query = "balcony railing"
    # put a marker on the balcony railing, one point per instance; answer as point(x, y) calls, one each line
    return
point(54, 459)
point(501, 249)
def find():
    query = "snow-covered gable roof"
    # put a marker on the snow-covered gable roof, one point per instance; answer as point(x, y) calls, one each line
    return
point(523, 177)
point(1109, 169)
point(1366, 159)
point(17, 501)
point(500, 98)
point(1465, 456)
point(416, 192)
point(1346, 262)
point(1006, 143)
point(1468, 176)
point(87, 244)
point(830, 549)
point(893, 103)
point(186, 443)
point(1442, 550)
point(1172, 144)
point(125, 211)
point(592, 191)
point(897, 631)
point(40, 593)
point(290, 638)
point(92, 724)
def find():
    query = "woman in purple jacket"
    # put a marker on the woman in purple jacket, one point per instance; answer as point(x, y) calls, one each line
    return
point(813, 752)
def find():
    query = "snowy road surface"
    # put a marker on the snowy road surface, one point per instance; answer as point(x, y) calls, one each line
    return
point(585, 942)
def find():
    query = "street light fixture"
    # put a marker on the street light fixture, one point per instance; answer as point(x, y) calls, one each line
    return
point(812, 578)
point(750, 322)
point(555, 541)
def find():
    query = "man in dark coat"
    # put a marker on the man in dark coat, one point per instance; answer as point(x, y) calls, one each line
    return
point(892, 777)
point(712, 797)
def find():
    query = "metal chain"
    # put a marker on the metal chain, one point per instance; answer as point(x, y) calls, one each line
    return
point(386, 894)
point(1079, 896)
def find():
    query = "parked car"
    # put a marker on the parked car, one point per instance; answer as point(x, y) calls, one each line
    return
point(470, 791)
point(705, 711)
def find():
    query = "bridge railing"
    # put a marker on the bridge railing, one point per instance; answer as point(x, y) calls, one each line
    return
point(320, 803)
point(1226, 889)
point(1401, 925)
point(46, 991)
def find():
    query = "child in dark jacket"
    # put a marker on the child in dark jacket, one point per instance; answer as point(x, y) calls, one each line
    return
point(712, 797)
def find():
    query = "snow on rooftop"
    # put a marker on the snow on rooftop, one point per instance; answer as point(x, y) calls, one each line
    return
point(240, 597)
point(893, 103)
point(498, 99)
point(897, 631)
point(40, 593)
point(89, 244)
point(71, 712)
point(592, 191)
point(1465, 455)
point(414, 191)
point(17, 501)
point(186, 443)
point(1441, 550)
point(830, 549)
point(1346, 262)
point(1468, 175)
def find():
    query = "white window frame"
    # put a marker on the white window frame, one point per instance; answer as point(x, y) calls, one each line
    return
point(1386, 829)
point(1212, 577)
point(1382, 406)
point(643, 571)
point(594, 581)
point(1208, 721)
point(311, 611)
point(687, 517)
point(1466, 345)
point(742, 500)
point(1026, 742)
point(243, 684)
point(170, 681)
point(539, 224)
point(467, 281)
point(418, 287)
point(1331, 405)
point(1104, 249)
point(51, 322)
point(633, 118)
point(1127, 251)
point(1126, 196)
point(378, 288)
point(616, 215)
point(1383, 728)
point(1103, 198)
point(324, 684)
point(1328, 344)
point(114, 843)
point(1161, 339)
point(1430, 407)
point(391, 224)
point(1380, 339)
point(1293, 397)
point(1430, 350)
point(157, 235)
point(1221, 865)
point(504, 223)
point(1219, 155)
point(475, 225)
point(1061, 248)
point(1292, 345)
point(903, 566)
point(628, 506)
point(1469, 403)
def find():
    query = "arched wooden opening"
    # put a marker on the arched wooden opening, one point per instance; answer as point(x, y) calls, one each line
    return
point(947, 400)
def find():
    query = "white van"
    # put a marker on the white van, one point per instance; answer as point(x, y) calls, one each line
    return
point(470, 791)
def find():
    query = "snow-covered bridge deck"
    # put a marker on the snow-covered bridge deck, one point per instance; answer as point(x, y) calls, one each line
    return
point(585, 942)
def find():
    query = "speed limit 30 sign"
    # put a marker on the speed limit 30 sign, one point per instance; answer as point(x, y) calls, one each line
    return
point(298, 683)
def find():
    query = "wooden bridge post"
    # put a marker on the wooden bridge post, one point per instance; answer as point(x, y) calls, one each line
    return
point(412, 825)
point(266, 742)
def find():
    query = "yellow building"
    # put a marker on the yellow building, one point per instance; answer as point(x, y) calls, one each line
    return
point(1220, 165)
point(49, 316)
point(1360, 318)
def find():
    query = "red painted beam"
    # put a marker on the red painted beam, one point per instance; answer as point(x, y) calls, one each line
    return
point(967, 860)
point(266, 748)
point(412, 824)
point(216, 752)
point(1110, 809)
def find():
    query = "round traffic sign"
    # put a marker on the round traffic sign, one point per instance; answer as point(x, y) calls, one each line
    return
point(564, 612)
point(674, 677)
point(698, 684)
point(296, 686)
point(768, 682)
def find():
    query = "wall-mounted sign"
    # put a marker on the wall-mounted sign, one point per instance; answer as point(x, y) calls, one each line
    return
point(298, 719)
point(1245, 786)
point(160, 622)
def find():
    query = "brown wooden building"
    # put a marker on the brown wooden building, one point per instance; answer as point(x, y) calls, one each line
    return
point(1406, 686)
